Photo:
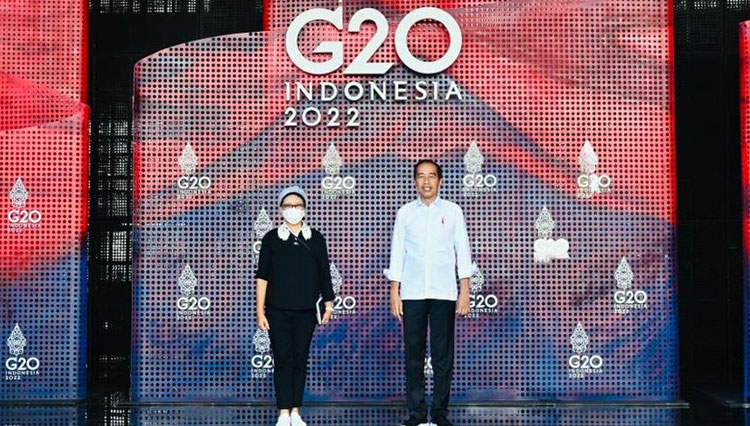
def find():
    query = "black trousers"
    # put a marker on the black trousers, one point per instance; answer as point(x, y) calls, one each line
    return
point(291, 334)
point(441, 315)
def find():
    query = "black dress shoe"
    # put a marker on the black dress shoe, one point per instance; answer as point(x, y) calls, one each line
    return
point(441, 421)
point(414, 421)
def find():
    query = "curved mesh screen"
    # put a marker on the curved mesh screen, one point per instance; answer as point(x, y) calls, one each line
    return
point(43, 177)
point(554, 129)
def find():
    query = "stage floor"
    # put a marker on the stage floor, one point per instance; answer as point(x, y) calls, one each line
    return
point(111, 408)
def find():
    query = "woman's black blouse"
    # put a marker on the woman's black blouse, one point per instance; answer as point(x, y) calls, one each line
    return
point(296, 276)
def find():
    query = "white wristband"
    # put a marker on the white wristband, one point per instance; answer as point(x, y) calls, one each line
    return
point(329, 309)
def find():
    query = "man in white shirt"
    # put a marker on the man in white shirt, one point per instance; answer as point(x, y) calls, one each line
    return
point(429, 243)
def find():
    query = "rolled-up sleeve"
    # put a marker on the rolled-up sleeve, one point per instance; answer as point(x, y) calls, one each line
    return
point(327, 282)
point(396, 267)
point(462, 246)
point(264, 260)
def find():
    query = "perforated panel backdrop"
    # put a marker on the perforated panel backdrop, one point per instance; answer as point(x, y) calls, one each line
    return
point(45, 41)
point(744, 38)
point(559, 149)
point(43, 176)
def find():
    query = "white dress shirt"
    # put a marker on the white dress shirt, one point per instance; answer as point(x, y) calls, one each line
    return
point(427, 241)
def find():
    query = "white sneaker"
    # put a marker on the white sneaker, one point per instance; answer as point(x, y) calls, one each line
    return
point(297, 420)
point(284, 420)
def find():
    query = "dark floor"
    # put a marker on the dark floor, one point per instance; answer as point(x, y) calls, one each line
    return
point(111, 408)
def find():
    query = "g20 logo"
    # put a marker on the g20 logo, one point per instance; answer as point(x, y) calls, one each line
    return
point(22, 364)
point(593, 362)
point(630, 297)
point(194, 182)
point(480, 181)
point(480, 301)
point(602, 183)
point(344, 303)
point(361, 64)
point(193, 304)
point(338, 183)
point(262, 361)
point(24, 216)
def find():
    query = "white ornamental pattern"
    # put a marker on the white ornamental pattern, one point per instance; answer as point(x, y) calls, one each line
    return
point(262, 341)
point(187, 281)
point(587, 159)
point(473, 159)
point(332, 161)
point(545, 248)
point(16, 341)
point(477, 279)
point(579, 339)
point(624, 275)
point(18, 194)
point(336, 279)
point(188, 160)
point(262, 225)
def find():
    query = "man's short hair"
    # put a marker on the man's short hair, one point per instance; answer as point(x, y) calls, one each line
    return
point(437, 166)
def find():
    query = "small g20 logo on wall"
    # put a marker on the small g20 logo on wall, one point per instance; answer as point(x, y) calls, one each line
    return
point(480, 303)
point(589, 182)
point(476, 182)
point(190, 184)
point(581, 364)
point(21, 217)
point(189, 305)
point(17, 366)
point(626, 298)
point(333, 184)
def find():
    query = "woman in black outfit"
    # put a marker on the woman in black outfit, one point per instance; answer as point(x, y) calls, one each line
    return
point(293, 270)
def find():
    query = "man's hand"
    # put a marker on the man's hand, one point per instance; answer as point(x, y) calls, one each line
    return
point(263, 322)
point(462, 305)
point(397, 306)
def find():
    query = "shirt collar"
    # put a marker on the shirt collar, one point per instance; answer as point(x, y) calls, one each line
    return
point(435, 203)
point(283, 231)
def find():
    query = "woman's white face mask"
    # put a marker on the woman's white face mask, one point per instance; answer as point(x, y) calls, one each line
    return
point(293, 215)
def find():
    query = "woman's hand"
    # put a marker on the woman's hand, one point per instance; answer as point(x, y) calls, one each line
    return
point(263, 322)
point(328, 314)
